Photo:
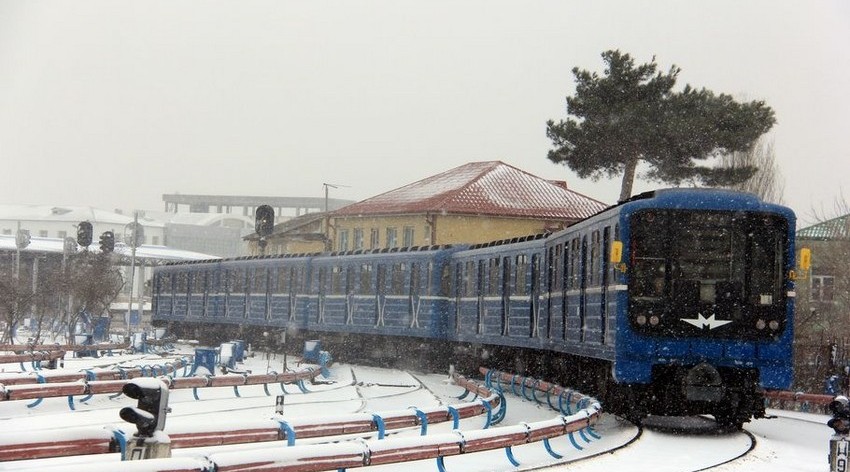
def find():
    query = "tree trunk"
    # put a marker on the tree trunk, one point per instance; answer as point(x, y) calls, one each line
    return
point(628, 179)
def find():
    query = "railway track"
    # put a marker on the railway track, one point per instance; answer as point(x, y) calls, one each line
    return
point(358, 389)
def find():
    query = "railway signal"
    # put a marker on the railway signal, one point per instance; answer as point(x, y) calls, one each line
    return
point(150, 441)
point(149, 415)
point(107, 242)
point(84, 232)
point(839, 446)
point(263, 225)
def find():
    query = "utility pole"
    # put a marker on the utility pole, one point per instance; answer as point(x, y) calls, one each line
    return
point(328, 242)
point(136, 236)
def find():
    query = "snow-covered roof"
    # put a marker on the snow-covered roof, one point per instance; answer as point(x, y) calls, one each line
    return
point(68, 213)
point(146, 251)
point(481, 188)
point(834, 229)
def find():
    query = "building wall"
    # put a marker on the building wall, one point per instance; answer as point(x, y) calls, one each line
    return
point(449, 229)
point(63, 229)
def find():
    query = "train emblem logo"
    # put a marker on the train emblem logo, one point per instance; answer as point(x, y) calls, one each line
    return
point(703, 322)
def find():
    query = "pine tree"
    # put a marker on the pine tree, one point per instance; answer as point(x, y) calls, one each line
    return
point(632, 114)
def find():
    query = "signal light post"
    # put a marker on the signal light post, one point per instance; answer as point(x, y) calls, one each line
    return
point(149, 442)
point(839, 446)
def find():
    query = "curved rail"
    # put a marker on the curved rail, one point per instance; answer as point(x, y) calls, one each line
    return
point(105, 440)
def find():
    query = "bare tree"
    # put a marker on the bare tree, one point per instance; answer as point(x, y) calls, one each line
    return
point(767, 181)
point(94, 283)
point(16, 295)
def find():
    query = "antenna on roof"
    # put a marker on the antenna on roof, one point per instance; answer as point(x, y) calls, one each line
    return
point(328, 245)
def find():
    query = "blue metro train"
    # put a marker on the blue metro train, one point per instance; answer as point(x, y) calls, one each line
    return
point(677, 301)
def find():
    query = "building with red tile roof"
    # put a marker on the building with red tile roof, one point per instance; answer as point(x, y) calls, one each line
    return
point(476, 202)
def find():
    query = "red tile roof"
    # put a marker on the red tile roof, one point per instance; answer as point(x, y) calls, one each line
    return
point(490, 188)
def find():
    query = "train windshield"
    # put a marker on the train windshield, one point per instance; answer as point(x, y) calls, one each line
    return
point(706, 272)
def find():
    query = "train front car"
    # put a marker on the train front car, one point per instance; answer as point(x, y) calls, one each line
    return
point(709, 298)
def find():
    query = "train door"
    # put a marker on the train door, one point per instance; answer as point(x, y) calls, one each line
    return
point(534, 292)
point(380, 294)
point(506, 295)
point(460, 288)
point(551, 305)
point(582, 303)
point(321, 294)
point(414, 296)
point(604, 260)
point(479, 296)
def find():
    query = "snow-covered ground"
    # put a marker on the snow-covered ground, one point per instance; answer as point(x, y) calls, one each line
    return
point(789, 442)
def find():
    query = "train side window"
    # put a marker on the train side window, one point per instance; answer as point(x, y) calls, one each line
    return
point(259, 281)
point(180, 286)
point(557, 264)
point(521, 275)
point(445, 278)
point(283, 280)
point(398, 276)
point(296, 281)
point(336, 280)
point(349, 280)
point(366, 279)
point(415, 283)
point(469, 279)
point(322, 282)
point(494, 276)
point(594, 258)
point(381, 280)
point(574, 263)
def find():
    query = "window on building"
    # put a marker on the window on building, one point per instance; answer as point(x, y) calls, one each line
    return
point(407, 236)
point(343, 240)
point(374, 239)
point(392, 237)
point(42, 233)
point(823, 288)
point(358, 238)
point(7, 231)
point(61, 234)
point(155, 240)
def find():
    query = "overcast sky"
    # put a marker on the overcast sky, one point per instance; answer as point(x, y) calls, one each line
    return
point(112, 104)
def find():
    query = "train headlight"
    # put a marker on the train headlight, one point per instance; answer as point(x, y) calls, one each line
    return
point(653, 320)
point(760, 324)
point(640, 320)
point(774, 325)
